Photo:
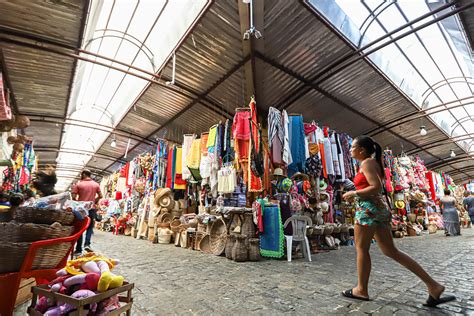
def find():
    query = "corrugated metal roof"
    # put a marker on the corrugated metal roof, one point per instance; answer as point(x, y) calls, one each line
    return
point(39, 80)
point(211, 81)
point(56, 20)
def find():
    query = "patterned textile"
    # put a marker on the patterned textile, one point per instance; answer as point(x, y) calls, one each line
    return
point(373, 212)
point(187, 143)
point(272, 239)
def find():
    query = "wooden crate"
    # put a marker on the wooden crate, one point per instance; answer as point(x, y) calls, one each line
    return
point(43, 290)
point(24, 292)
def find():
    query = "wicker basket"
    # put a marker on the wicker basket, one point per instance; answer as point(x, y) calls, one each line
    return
point(43, 216)
point(344, 228)
point(28, 232)
point(337, 229)
point(197, 240)
point(13, 253)
point(175, 225)
point(328, 230)
point(218, 237)
point(165, 218)
point(248, 227)
point(432, 228)
point(318, 230)
point(204, 244)
point(239, 251)
point(254, 249)
point(411, 231)
point(163, 225)
point(228, 246)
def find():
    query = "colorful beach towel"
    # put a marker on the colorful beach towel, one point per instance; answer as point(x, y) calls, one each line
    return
point(272, 240)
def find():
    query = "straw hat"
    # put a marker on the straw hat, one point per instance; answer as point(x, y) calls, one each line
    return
point(400, 204)
point(163, 198)
point(300, 175)
point(278, 172)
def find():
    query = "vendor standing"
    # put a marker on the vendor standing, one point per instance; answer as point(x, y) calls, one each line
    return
point(468, 204)
point(87, 190)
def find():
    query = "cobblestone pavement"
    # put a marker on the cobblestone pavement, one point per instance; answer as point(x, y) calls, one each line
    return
point(170, 280)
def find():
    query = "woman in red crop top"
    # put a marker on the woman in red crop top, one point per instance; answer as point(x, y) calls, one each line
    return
point(373, 218)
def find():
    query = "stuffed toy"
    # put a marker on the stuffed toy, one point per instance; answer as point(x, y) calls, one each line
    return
point(65, 308)
point(99, 265)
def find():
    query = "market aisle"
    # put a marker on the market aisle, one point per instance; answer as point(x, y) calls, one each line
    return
point(172, 280)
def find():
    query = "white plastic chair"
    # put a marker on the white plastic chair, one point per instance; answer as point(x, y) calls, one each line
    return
point(299, 224)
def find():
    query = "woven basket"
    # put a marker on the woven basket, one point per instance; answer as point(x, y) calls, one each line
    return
point(254, 249)
point(197, 240)
point(411, 231)
point(337, 229)
point(42, 216)
point(218, 237)
point(204, 244)
point(175, 225)
point(432, 228)
point(318, 230)
point(202, 228)
point(328, 230)
point(13, 253)
point(28, 232)
point(344, 228)
point(239, 251)
point(248, 227)
point(163, 225)
point(411, 218)
point(165, 218)
point(228, 246)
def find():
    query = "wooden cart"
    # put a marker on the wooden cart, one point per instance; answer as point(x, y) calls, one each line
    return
point(126, 307)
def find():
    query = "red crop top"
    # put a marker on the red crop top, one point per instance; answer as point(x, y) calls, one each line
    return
point(360, 181)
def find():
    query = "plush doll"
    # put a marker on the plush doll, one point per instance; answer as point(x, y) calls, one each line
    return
point(63, 309)
point(96, 265)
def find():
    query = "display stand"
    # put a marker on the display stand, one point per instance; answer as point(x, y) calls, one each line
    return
point(79, 304)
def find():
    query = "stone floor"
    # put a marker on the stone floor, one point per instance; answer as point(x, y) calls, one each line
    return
point(170, 280)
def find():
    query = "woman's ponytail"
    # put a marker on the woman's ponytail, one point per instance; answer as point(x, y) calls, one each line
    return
point(378, 156)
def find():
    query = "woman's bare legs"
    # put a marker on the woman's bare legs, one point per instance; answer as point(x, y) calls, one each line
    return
point(363, 237)
point(383, 235)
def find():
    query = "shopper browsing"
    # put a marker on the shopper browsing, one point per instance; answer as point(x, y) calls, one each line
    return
point(87, 190)
point(373, 218)
point(468, 204)
point(452, 224)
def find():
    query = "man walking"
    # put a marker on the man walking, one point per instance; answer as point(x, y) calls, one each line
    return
point(87, 190)
point(468, 204)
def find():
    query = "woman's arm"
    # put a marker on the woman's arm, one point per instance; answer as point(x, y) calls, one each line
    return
point(370, 170)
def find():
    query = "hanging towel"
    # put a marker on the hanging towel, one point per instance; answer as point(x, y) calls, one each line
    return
point(204, 138)
point(272, 239)
point(193, 158)
point(297, 145)
point(286, 143)
point(169, 169)
point(211, 139)
point(187, 143)
point(179, 182)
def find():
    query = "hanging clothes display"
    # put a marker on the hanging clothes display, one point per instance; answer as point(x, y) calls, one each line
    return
point(276, 135)
point(187, 143)
point(179, 182)
point(255, 183)
point(297, 144)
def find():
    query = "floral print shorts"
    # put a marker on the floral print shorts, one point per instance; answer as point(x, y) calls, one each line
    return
point(373, 212)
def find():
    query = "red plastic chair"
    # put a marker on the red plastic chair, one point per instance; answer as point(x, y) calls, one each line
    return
point(10, 282)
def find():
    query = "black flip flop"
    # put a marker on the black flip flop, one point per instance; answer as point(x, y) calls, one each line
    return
point(433, 302)
point(348, 294)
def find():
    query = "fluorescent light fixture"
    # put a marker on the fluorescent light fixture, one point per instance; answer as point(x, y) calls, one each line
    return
point(141, 33)
point(423, 131)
